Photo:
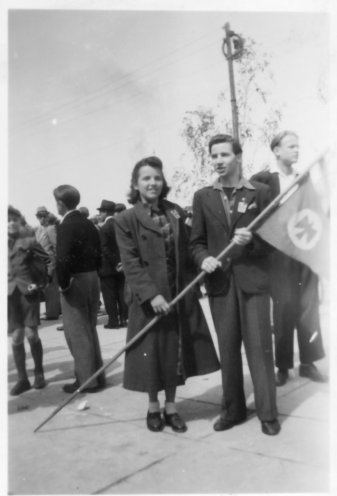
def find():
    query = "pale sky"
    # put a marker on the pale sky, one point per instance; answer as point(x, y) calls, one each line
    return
point(92, 92)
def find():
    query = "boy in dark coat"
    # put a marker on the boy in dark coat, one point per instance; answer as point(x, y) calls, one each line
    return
point(77, 261)
point(23, 301)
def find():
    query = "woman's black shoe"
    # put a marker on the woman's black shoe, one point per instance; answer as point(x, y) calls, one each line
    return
point(154, 421)
point(175, 421)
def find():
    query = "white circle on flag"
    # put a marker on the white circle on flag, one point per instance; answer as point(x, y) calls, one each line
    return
point(305, 229)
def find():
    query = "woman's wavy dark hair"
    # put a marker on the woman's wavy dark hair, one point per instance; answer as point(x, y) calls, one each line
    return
point(156, 163)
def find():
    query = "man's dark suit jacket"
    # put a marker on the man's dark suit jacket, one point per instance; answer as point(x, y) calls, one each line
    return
point(110, 250)
point(271, 179)
point(211, 233)
point(77, 247)
point(20, 251)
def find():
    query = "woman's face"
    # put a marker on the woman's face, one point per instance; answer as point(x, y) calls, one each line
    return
point(149, 184)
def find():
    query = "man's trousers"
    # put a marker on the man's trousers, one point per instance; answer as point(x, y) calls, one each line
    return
point(79, 311)
point(294, 290)
point(112, 288)
point(239, 317)
point(52, 298)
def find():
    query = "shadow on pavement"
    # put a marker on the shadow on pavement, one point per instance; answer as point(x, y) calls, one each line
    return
point(208, 404)
point(52, 394)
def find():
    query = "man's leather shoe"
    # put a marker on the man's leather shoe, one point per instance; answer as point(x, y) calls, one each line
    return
point(74, 386)
point(175, 421)
point(20, 387)
point(223, 424)
point(71, 388)
point(154, 421)
point(271, 428)
point(281, 377)
point(60, 328)
point(94, 389)
point(111, 326)
point(311, 372)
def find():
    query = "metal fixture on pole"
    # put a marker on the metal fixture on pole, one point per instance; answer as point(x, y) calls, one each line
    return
point(232, 48)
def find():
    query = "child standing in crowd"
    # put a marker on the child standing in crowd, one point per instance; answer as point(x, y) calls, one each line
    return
point(23, 301)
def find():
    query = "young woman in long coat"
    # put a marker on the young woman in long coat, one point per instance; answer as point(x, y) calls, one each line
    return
point(153, 244)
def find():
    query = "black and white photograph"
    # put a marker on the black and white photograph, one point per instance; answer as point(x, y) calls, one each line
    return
point(168, 172)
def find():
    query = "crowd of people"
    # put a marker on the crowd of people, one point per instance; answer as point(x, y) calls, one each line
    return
point(141, 258)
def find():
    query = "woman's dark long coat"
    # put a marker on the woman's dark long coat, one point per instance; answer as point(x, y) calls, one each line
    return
point(186, 348)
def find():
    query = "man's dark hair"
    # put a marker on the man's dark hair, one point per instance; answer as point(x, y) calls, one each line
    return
point(52, 220)
point(69, 195)
point(14, 212)
point(120, 207)
point(225, 138)
point(154, 162)
point(276, 141)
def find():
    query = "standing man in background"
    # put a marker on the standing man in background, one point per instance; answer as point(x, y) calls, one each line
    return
point(51, 292)
point(111, 272)
point(45, 235)
point(77, 262)
point(294, 287)
point(42, 216)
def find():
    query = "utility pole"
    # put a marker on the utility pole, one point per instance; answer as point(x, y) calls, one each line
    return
point(232, 48)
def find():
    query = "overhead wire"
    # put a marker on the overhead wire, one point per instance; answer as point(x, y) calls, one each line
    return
point(130, 98)
point(109, 87)
point(112, 144)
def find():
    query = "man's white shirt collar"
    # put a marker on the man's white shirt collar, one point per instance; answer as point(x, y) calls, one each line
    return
point(274, 168)
point(284, 179)
point(109, 217)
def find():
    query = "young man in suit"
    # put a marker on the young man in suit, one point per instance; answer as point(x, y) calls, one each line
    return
point(237, 286)
point(294, 287)
point(111, 272)
point(77, 261)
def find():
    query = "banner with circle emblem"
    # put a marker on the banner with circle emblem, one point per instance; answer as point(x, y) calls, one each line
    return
point(300, 229)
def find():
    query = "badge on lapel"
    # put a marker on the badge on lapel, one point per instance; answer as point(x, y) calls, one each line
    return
point(242, 206)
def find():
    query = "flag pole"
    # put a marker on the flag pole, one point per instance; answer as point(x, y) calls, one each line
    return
point(261, 217)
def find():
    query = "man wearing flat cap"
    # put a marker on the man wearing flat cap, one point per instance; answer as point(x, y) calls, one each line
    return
point(45, 235)
point(40, 232)
point(111, 275)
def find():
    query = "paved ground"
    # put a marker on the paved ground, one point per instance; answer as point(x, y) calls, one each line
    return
point(107, 449)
